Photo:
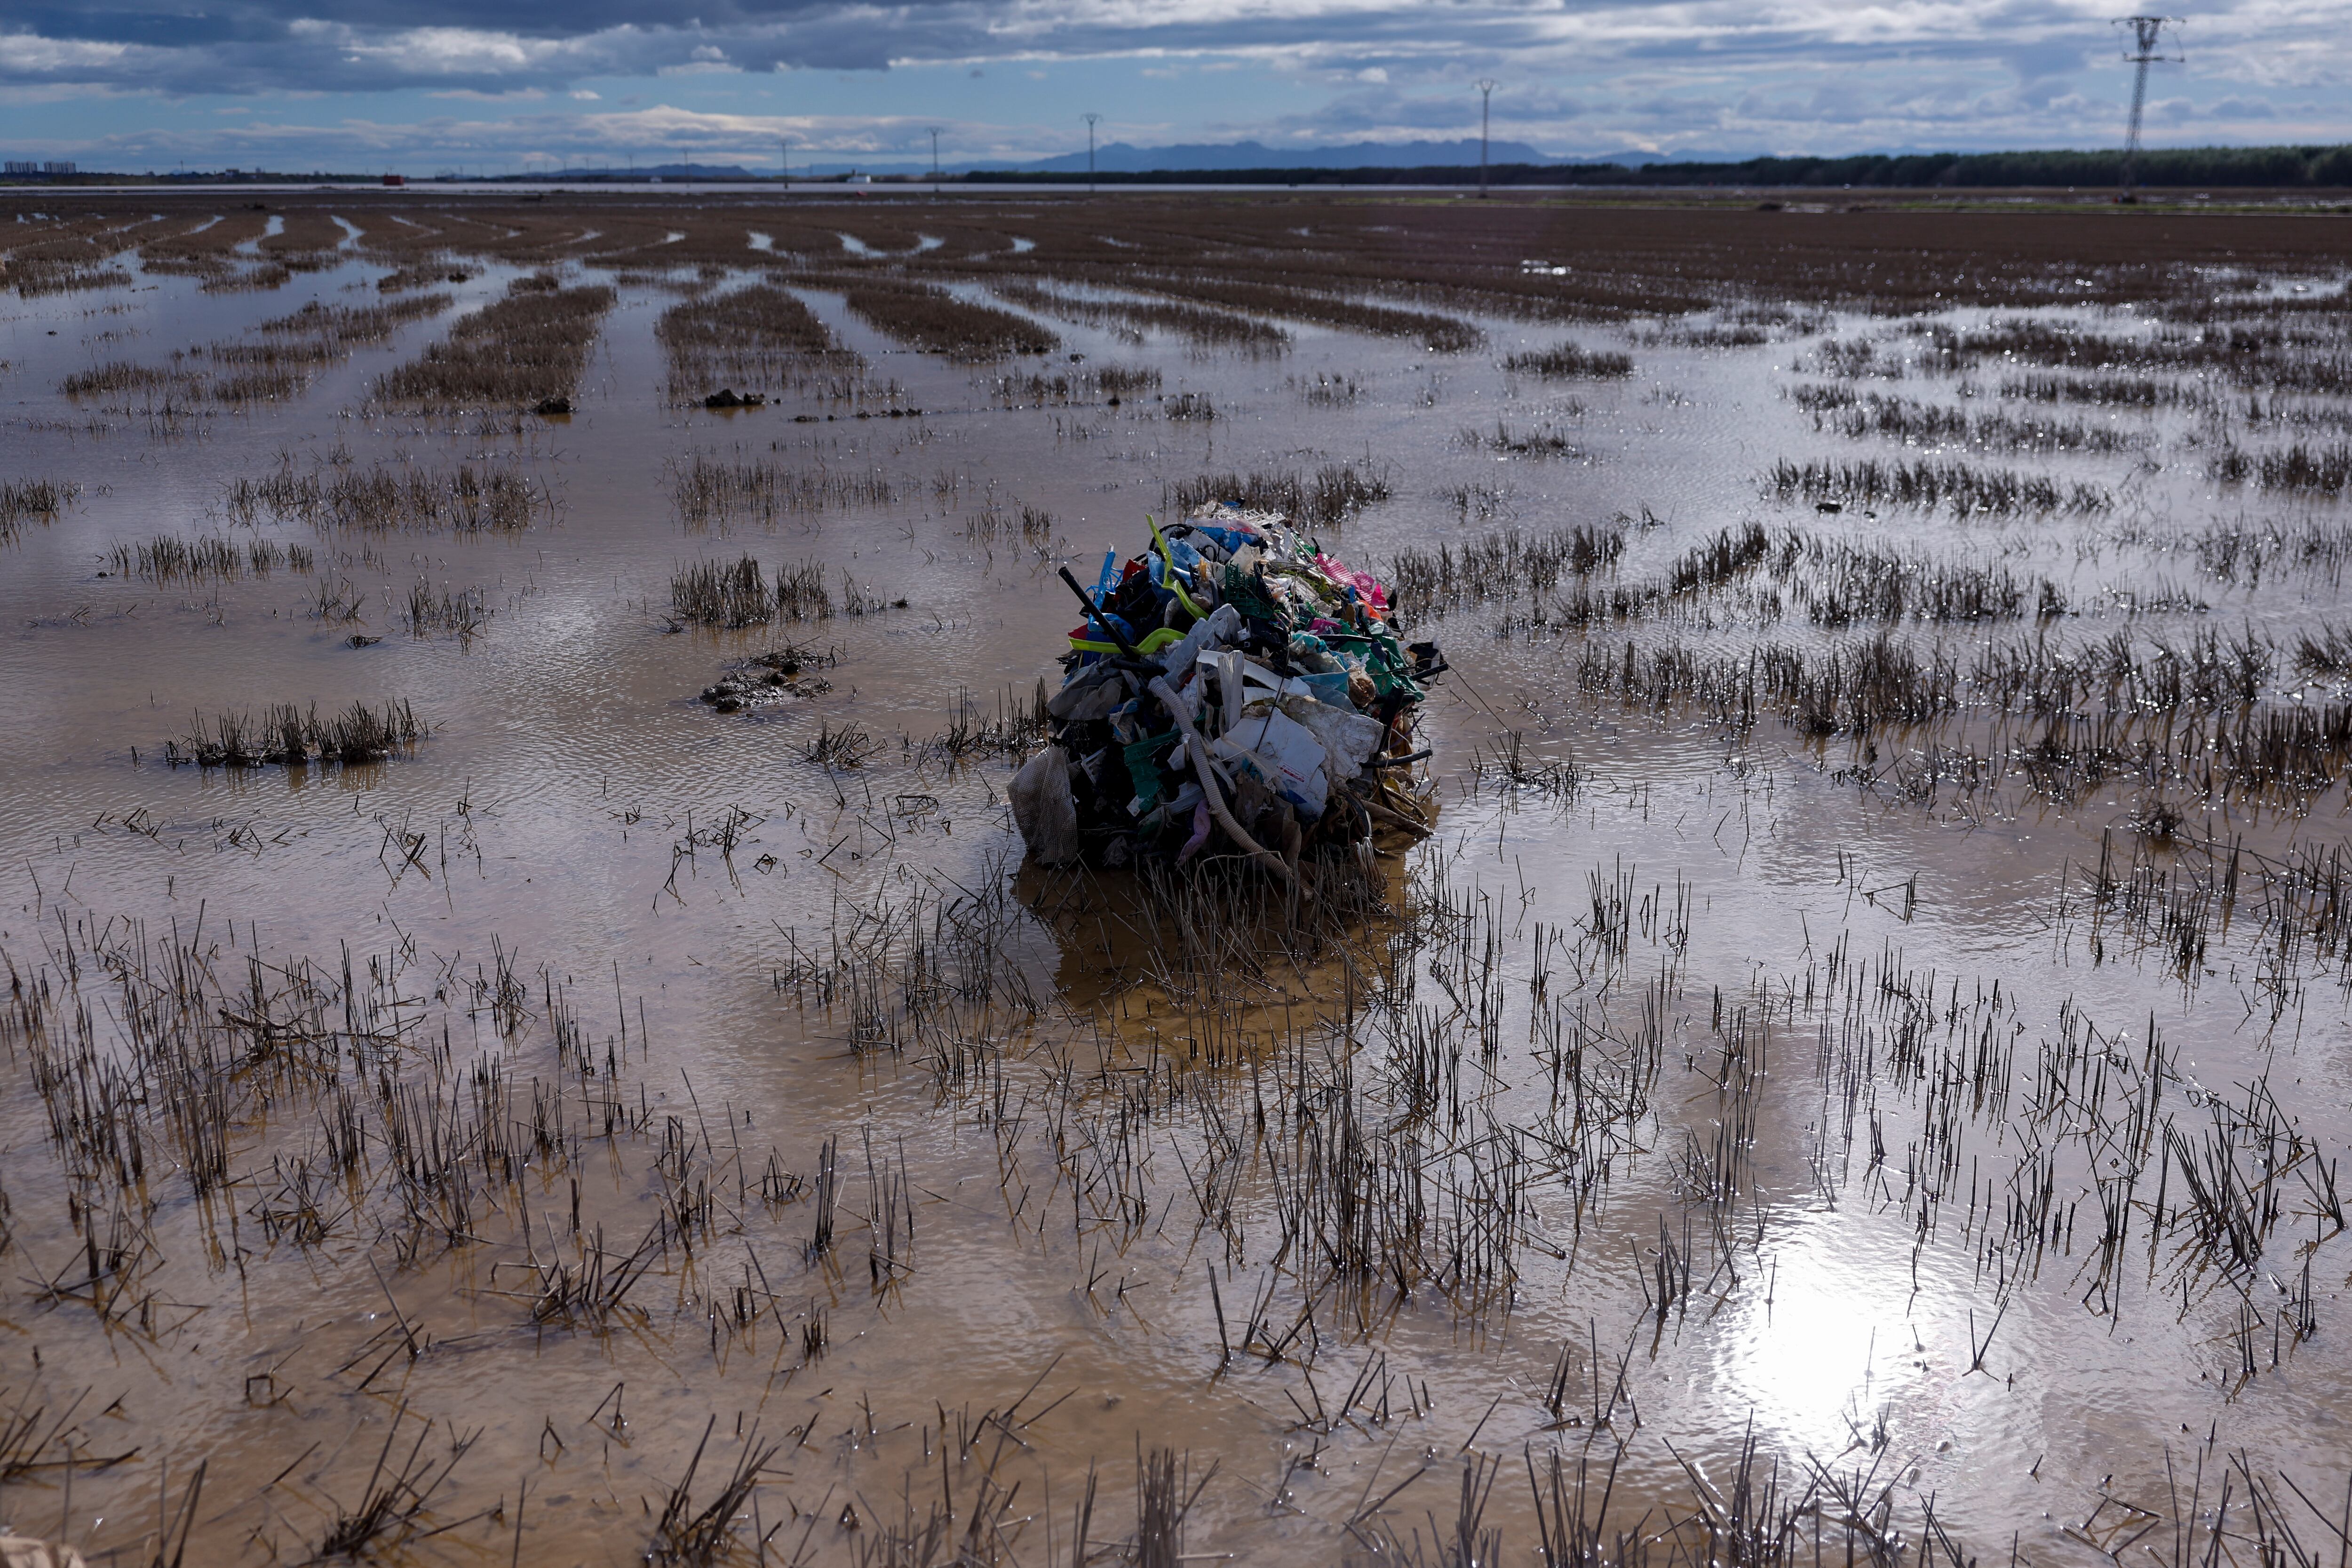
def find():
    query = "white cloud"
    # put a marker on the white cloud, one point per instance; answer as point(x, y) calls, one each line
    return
point(33, 55)
point(1783, 75)
point(437, 51)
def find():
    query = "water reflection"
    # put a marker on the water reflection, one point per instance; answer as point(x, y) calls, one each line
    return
point(570, 761)
point(1828, 1340)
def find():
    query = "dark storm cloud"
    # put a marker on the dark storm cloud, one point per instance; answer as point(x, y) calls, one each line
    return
point(153, 29)
point(1582, 72)
point(341, 46)
point(236, 46)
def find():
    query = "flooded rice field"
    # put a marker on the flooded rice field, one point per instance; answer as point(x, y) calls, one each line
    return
point(530, 1037)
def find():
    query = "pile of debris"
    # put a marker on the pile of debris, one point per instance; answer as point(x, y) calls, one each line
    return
point(771, 677)
point(1233, 690)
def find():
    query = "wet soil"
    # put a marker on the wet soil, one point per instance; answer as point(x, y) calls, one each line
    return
point(1758, 1093)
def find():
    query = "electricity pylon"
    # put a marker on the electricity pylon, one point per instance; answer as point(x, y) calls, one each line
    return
point(1486, 103)
point(2148, 33)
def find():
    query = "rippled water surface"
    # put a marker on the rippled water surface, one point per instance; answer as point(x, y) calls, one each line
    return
point(1758, 1080)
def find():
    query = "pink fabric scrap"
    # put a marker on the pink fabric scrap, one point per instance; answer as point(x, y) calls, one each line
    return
point(1200, 833)
point(1373, 591)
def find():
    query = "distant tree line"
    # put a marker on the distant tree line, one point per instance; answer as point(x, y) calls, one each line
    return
point(2267, 167)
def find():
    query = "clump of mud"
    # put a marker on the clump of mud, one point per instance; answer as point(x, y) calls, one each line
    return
point(780, 675)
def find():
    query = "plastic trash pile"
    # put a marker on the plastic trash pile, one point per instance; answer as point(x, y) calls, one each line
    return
point(1231, 690)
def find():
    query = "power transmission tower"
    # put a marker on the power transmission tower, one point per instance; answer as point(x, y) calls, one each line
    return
point(2148, 33)
point(1090, 118)
point(935, 159)
point(784, 146)
point(1486, 104)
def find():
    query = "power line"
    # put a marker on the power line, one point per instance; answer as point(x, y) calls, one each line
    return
point(1485, 103)
point(2148, 33)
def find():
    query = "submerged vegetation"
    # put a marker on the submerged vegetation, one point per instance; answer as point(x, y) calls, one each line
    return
point(274, 364)
point(1865, 943)
point(1921, 424)
point(1930, 485)
point(292, 736)
point(1507, 564)
point(32, 501)
point(1438, 335)
point(712, 493)
point(1562, 361)
point(1109, 385)
point(170, 557)
point(758, 339)
point(1327, 498)
point(1135, 318)
point(526, 350)
point(935, 321)
point(466, 500)
point(734, 594)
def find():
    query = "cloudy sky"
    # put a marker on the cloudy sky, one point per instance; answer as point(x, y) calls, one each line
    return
point(500, 85)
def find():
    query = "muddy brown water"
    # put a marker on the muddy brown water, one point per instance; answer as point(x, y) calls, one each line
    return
point(1882, 984)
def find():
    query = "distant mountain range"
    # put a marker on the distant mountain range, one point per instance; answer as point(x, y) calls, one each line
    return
point(1515, 163)
point(1124, 158)
point(668, 172)
point(1120, 157)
